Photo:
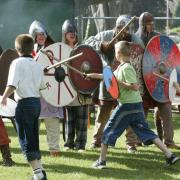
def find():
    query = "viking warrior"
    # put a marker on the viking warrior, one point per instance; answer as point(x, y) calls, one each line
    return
point(77, 111)
point(49, 113)
point(40, 36)
point(163, 113)
point(100, 43)
point(146, 27)
point(4, 139)
point(4, 145)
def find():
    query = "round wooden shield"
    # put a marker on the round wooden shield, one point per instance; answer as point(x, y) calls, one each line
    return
point(89, 62)
point(136, 56)
point(9, 109)
point(161, 56)
point(5, 60)
point(57, 93)
point(110, 82)
point(172, 89)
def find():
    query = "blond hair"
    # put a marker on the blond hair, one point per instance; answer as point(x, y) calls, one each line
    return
point(24, 44)
point(123, 47)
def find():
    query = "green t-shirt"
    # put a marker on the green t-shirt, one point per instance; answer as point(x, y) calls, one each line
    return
point(126, 73)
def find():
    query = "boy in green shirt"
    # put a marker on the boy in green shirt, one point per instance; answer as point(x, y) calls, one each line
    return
point(129, 112)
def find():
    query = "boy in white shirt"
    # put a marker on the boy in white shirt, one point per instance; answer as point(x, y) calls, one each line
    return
point(26, 80)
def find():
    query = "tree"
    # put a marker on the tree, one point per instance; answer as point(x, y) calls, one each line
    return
point(113, 8)
point(176, 14)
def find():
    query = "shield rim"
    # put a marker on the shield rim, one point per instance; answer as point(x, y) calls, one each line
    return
point(6, 111)
point(116, 82)
point(74, 91)
point(172, 90)
point(143, 73)
point(69, 70)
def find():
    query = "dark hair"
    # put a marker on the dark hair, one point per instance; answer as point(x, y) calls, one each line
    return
point(123, 47)
point(24, 44)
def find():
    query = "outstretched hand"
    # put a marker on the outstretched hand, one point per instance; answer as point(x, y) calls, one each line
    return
point(3, 101)
point(176, 86)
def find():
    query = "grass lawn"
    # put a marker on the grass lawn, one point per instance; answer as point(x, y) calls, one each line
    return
point(146, 164)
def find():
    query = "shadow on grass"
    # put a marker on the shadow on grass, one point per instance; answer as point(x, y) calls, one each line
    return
point(138, 166)
point(135, 162)
point(116, 173)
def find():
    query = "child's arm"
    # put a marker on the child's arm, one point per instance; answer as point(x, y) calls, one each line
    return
point(176, 85)
point(94, 76)
point(132, 86)
point(8, 91)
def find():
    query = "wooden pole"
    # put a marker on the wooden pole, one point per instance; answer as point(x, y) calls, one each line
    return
point(160, 76)
point(117, 35)
point(61, 62)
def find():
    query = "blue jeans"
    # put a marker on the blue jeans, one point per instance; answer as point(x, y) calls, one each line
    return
point(129, 114)
point(26, 117)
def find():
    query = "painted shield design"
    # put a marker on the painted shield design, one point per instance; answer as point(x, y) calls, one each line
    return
point(136, 56)
point(161, 56)
point(89, 62)
point(57, 93)
point(110, 82)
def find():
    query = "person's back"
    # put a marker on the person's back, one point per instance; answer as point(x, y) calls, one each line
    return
point(28, 77)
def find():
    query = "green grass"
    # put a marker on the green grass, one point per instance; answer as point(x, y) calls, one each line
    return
point(146, 164)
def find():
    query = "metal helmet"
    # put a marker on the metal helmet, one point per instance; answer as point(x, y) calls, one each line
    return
point(145, 18)
point(122, 20)
point(68, 26)
point(37, 27)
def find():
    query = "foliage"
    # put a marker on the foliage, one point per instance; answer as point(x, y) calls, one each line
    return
point(177, 14)
point(175, 30)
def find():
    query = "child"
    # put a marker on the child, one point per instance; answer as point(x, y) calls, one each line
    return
point(129, 111)
point(50, 114)
point(77, 111)
point(26, 79)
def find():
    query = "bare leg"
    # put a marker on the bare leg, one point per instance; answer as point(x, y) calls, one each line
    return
point(158, 123)
point(104, 149)
point(35, 164)
point(162, 147)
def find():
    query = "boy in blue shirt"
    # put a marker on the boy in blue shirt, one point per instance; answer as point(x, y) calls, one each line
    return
point(129, 112)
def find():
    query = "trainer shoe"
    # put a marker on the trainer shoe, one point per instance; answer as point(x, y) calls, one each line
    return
point(55, 153)
point(45, 176)
point(173, 146)
point(99, 164)
point(171, 160)
point(131, 149)
point(94, 146)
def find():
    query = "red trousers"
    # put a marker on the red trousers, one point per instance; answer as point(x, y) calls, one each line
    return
point(3, 134)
